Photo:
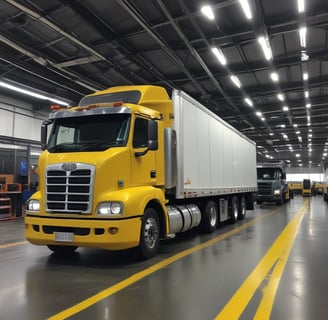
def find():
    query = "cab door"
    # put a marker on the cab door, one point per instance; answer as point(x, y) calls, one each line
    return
point(143, 166)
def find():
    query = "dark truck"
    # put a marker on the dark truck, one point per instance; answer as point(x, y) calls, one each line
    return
point(271, 183)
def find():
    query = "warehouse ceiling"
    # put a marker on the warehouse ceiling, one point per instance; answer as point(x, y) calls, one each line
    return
point(278, 97)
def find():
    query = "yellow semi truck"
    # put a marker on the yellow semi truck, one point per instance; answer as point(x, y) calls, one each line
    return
point(129, 166)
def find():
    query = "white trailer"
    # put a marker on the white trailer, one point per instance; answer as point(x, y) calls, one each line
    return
point(216, 164)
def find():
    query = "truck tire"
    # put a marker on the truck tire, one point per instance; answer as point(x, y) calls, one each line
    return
point(242, 208)
point(234, 209)
point(61, 249)
point(210, 217)
point(149, 235)
point(280, 202)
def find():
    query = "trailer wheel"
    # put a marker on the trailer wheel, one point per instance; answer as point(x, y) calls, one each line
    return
point(149, 235)
point(61, 249)
point(234, 209)
point(242, 208)
point(210, 217)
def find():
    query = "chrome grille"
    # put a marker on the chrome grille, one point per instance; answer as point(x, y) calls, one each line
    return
point(69, 191)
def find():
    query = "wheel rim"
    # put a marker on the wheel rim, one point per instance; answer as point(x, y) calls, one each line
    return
point(243, 207)
point(151, 233)
point(235, 210)
point(213, 216)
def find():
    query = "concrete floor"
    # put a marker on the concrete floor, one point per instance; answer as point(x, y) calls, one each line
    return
point(246, 267)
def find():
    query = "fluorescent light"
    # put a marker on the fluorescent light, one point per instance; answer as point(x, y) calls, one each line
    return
point(247, 10)
point(274, 76)
point(32, 94)
point(301, 6)
point(259, 114)
point(236, 81)
point(308, 105)
point(306, 94)
point(305, 76)
point(285, 108)
point(302, 32)
point(208, 12)
point(295, 125)
point(219, 54)
point(264, 42)
point(249, 102)
point(304, 56)
point(280, 97)
point(297, 155)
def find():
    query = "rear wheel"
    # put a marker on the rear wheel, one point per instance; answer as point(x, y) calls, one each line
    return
point(242, 208)
point(234, 209)
point(149, 235)
point(210, 217)
point(62, 249)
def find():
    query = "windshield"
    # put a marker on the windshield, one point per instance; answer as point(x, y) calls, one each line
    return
point(266, 173)
point(124, 96)
point(93, 133)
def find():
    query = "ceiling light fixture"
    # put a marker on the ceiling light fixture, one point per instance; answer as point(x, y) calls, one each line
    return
point(249, 102)
point(285, 108)
point(246, 8)
point(32, 94)
point(274, 76)
point(207, 12)
point(306, 94)
point(280, 97)
point(264, 42)
point(308, 105)
point(220, 56)
point(304, 56)
point(305, 76)
point(258, 113)
point(302, 32)
point(301, 6)
point(236, 81)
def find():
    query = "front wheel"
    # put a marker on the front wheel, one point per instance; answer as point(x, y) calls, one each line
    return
point(149, 235)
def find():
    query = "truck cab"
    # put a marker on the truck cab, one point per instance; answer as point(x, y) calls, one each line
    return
point(271, 183)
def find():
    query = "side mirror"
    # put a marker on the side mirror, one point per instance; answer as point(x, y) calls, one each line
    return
point(152, 138)
point(44, 134)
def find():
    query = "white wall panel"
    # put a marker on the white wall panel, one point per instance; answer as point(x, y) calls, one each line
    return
point(17, 120)
point(6, 123)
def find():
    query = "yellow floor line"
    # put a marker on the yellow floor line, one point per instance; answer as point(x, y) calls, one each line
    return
point(157, 266)
point(12, 244)
point(275, 257)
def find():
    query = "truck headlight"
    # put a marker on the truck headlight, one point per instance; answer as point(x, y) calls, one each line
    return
point(33, 205)
point(110, 208)
point(276, 192)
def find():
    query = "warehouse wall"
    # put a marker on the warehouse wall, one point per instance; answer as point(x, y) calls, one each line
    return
point(17, 119)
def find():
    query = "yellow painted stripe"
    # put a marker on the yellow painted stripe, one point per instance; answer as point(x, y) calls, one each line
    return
point(277, 254)
point(12, 244)
point(157, 266)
